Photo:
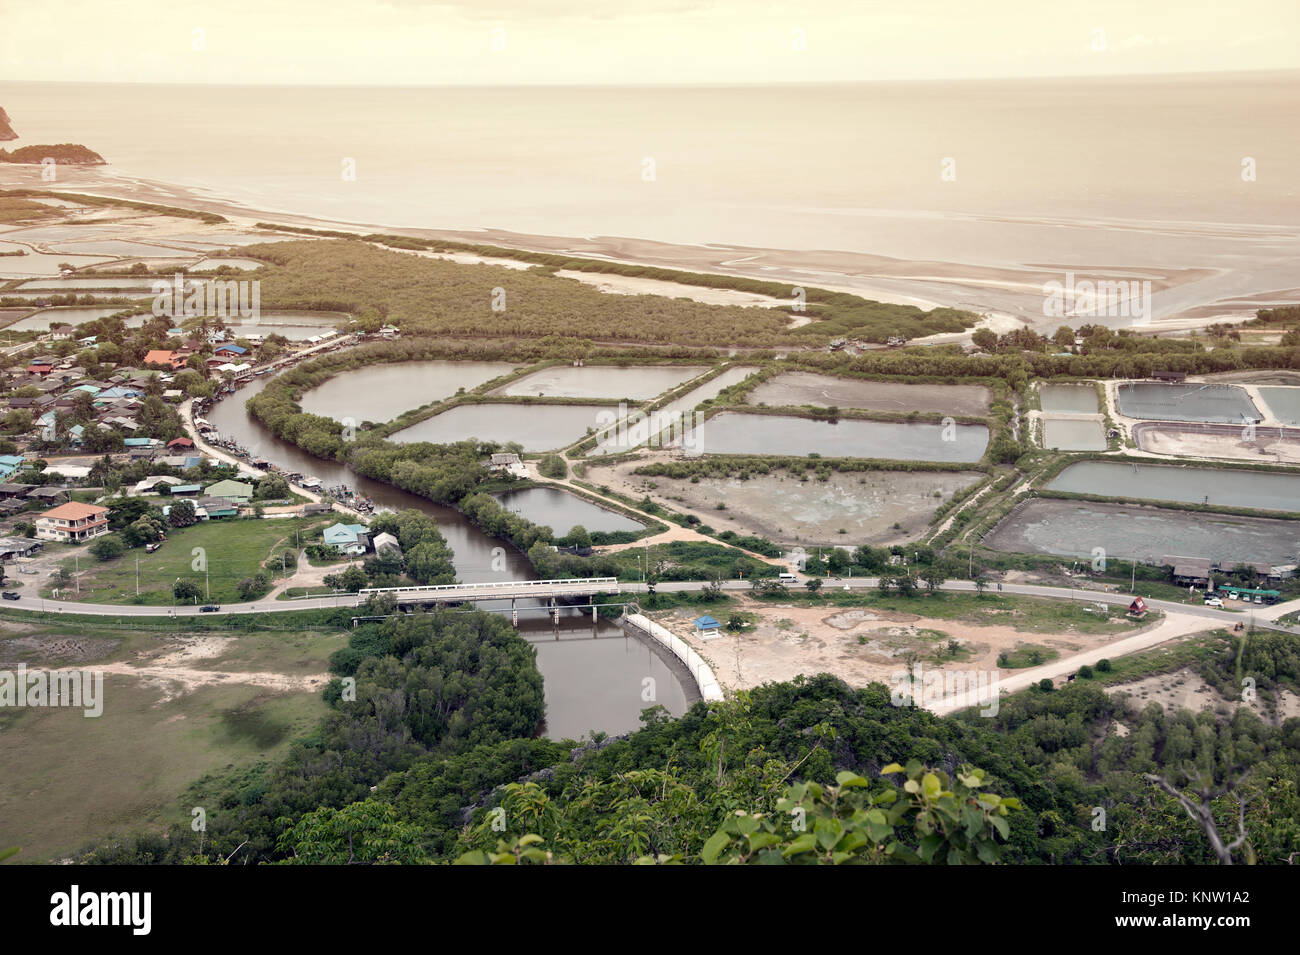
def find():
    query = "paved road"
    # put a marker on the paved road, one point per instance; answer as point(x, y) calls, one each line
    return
point(1263, 617)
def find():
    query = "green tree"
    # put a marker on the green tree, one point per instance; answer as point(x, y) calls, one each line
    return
point(182, 513)
point(108, 547)
point(552, 466)
point(363, 833)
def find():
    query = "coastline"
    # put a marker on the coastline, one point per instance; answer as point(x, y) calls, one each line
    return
point(1008, 298)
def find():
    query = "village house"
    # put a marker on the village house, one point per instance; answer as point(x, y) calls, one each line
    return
point(72, 522)
point(507, 463)
point(215, 508)
point(10, 464)
point(165, 358)
point(237, 492)
point(351, 539)
point(11, 547)
point(8, 491)
point(48, 494)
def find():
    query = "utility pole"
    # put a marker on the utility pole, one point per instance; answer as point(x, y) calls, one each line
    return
point(77, 558)
point(137, 575)
point(207, 590)
point(1132, 585)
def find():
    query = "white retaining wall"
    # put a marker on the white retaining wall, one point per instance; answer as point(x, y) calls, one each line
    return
point(710, 691)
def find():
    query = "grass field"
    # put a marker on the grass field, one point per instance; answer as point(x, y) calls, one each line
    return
point(70, 780)
point(233, 550)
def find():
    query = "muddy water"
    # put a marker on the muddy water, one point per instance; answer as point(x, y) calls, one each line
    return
point(599, 682)
point(1067, 434)
point(804, 388)
point(562, 511)
point(474, 550)
point(1068, 399)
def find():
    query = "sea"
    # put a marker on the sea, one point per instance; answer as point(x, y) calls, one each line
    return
point(952, 192)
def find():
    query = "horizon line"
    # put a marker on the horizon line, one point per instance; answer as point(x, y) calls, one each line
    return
point(678, 85)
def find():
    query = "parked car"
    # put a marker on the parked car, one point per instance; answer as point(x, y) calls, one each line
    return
point(150, 548)
point(11, 595)
point(209, 609)
point(1213, 602)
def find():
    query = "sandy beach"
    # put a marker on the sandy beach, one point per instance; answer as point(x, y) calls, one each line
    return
point(1007, 298)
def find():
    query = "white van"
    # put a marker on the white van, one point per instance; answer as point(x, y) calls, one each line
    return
point(787, 578)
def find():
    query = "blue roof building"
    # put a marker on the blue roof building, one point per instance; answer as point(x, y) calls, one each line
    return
point(9, 463)
point(351, 539)
point(706, 624)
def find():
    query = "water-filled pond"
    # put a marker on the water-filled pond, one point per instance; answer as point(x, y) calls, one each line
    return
point(382, 392)
point(743, 433)
point(1283, 402)
point(1186, 402)
point(76, 315)
point(635, 383)
point(116, 247)
point(540, 427)
point(1128, 531)
point(1068, 399)
point(1074, 434)
point(67, 285)
point(1226, 487)
point(561, 511)
point(806, 388)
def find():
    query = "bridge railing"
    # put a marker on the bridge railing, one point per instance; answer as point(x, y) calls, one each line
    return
point(582, 583)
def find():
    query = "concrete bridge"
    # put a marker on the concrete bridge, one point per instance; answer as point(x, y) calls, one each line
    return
point(512, 590)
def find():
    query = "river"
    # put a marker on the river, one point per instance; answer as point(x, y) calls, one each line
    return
point(591, 682)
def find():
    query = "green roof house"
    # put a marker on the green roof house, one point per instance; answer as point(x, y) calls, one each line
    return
point(235, 491)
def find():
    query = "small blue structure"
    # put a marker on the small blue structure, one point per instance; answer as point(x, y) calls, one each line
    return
point(706, 624)
point(9, 464)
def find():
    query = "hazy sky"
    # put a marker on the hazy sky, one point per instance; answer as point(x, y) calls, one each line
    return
point(633, 41)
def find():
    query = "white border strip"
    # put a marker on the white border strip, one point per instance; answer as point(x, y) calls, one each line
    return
point(710, 691)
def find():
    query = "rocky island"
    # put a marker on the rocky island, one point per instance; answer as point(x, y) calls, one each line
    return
point(6, 131)
point(66, 154)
